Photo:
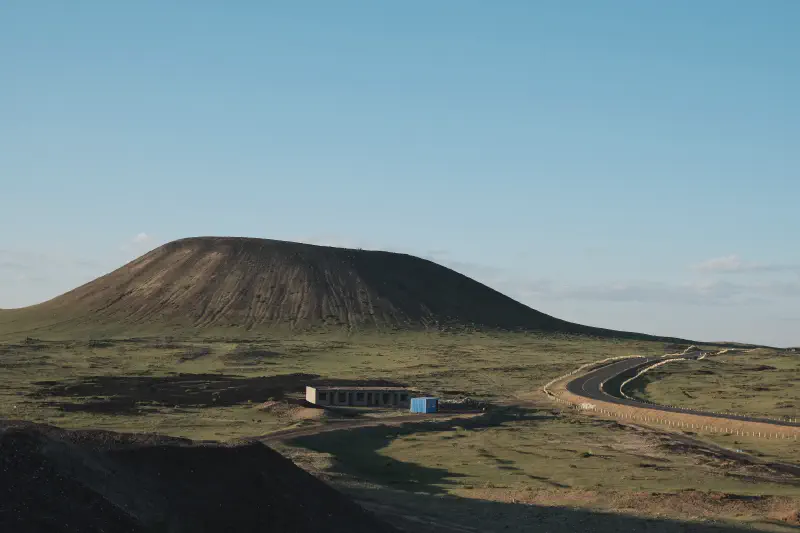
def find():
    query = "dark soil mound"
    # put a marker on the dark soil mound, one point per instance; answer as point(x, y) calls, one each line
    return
point(94, 481)
point(208, 283)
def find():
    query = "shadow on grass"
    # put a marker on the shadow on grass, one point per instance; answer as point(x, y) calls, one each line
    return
point(121, 395)
point(356, 451)
point(421, 513)
point(415, 498)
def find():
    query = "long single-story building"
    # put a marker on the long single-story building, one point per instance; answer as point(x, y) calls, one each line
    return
point(359, 396)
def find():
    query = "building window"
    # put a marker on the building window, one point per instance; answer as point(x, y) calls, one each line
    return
point(359, 396)
point(404, 397)
point(386, 396)
point(342, 397)
point(323, 396)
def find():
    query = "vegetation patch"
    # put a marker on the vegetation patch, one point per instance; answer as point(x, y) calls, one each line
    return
point(761, 383)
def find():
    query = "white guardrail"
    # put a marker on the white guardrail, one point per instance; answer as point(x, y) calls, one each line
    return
point(581, 368)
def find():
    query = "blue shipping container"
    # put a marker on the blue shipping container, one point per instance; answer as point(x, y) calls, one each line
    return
point(424, 405)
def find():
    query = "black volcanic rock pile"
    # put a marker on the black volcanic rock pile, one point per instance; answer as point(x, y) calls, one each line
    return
point(57, 481)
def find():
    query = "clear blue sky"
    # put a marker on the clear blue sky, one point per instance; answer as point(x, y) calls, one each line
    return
point(626, 164)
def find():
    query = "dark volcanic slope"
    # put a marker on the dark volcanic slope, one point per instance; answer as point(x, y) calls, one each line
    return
point(209, 282)
point(94, 481)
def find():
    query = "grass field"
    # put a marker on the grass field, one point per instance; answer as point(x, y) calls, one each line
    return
point(213, 388)
point(760, 382)
point(532, 450)
point(540, 459)
point(531, 455)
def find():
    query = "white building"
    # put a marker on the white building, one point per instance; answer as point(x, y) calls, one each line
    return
point(359, 396)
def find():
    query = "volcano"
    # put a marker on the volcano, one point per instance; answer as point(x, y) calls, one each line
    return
point(212, 283)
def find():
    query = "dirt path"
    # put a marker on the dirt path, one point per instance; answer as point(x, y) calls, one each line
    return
point(288, 434)
point(347, 425)
point(411, 516)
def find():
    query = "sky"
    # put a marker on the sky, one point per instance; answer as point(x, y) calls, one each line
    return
point(627, 164)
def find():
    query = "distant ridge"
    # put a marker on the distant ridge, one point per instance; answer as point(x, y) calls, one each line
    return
point(205, 283)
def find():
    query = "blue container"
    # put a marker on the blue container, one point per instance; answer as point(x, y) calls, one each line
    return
point(424, 405)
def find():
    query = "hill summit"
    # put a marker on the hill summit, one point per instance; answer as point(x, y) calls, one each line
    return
point(204, 283)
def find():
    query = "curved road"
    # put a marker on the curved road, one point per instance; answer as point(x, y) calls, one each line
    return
point(603, 384)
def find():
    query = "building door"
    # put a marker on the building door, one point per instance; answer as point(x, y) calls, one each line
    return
point(369, 398)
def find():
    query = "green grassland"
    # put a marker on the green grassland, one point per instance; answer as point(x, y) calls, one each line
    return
point(523, 450)
point(531, 449)
point(545, 460)
point(213, 388)
point(761, 383)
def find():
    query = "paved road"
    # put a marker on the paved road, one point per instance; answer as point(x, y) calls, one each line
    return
point(603, 383)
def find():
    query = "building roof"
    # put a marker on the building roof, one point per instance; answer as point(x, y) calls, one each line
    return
point(343, 388)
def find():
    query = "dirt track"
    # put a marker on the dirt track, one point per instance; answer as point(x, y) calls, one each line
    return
point(288, 434)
